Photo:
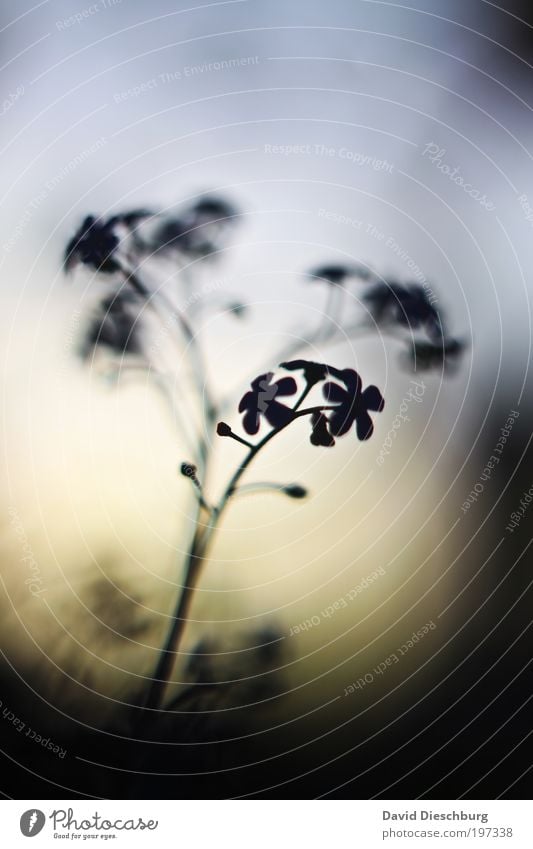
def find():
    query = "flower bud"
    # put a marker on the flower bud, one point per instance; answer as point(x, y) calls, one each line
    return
point(223, 429)
point(294, 490)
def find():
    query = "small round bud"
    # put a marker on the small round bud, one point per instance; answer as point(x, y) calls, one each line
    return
point(294, 490)
point(188, 470)
point(223, 429)
point(238, 309)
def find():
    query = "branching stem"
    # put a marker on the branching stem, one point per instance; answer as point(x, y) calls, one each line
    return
point(197, 556)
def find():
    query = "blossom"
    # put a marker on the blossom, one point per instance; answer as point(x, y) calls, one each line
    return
point(97, 240)
point(313, 372)
point(94, 245)
point(352, 405)
point(198, 230)
point(114, 325)
point(320, 434)
point(424, 356)
point(407, 305)
point(261, 401)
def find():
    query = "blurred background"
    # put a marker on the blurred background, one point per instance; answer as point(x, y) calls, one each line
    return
point(368, 132)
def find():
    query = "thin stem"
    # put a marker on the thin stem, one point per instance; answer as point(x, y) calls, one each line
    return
point(167, 657)
point(303, 396)
point(197, 555)
point(258, 488)
point(238, 438)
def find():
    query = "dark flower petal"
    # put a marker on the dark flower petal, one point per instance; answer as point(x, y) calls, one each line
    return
point(261, 401)
point(277, 414)
point(334, 393)
point(320, 434)
point(351, 380)
point(364, 425)
point(246, 401)
point(250, 422)
point(373, 399)
point(341, 419)
point(260, 382)
point(286, 386)
point(71, 257)
point(93, 245)
point(313, 372)
point(352, 405)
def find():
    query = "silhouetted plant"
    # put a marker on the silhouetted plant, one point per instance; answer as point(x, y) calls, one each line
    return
point(114, 326)
point(119, 247)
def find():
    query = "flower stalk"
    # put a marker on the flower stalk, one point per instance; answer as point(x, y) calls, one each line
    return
point(115, 248)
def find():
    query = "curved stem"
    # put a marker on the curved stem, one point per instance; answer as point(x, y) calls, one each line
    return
point(167, 657)
point(258, 488)
point(197, 556)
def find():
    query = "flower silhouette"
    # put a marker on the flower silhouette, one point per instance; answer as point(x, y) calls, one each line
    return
point(406, 305)
point(94, 245)
point(115, 326)
point(320, 434)
point(352, 405)
point(313, 372)
point(445, 355)
point(261, 401)
point(198, 231)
